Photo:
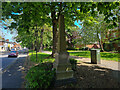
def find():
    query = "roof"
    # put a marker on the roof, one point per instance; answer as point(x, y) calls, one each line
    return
point(89, 46)
point(93, 46)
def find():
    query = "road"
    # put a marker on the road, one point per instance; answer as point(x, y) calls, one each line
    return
point(12, 67)
point(5, 61)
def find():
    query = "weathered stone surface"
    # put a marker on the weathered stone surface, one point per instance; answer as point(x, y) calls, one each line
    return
point(64, 74)
point(65, 82)
point(61, 35)
point(62, 57)
point(61, 64)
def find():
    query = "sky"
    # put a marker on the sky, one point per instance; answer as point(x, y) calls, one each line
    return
point(77, 23)
point(6, 33)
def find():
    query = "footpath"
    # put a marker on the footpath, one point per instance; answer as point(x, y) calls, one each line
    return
point(104, 63)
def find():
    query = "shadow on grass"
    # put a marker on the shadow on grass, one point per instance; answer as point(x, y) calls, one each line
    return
point(81, 54)
point(41, 57)
point(93, 76)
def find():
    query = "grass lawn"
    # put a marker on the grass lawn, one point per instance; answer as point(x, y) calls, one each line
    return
point(41, 57)
point(104, 55)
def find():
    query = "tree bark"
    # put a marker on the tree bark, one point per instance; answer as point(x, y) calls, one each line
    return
point(99, 40)
point(119, 30)
point(101, 43)
point(54, 23)
point(41, 42)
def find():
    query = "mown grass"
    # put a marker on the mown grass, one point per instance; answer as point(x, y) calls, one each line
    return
point(104, 55)
point(41, 57)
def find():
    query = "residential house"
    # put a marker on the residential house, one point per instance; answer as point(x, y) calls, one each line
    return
point(16, 46)
point(95, 46)
point(2, 42)
point(6, 45)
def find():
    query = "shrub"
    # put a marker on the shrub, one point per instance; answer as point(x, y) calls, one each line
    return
point(40, 76)
point(73, 63)
point(108, 46)
point(71, 48)
point(48, 49)
point(84, 48)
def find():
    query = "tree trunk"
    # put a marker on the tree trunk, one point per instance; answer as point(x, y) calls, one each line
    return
point(101, 46)
point(54, 23)
point(119, 30)
point(32, 48)
point(102, 49)
point(99, 40)
point(41, 42)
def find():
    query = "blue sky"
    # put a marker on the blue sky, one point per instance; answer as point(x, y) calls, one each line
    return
point(77, 23)
point(5, 33)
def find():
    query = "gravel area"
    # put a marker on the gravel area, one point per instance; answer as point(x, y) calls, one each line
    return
point(93, 76)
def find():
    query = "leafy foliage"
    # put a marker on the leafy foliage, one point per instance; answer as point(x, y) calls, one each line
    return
point(73, 63)
point(40, 76)
point(38, 13)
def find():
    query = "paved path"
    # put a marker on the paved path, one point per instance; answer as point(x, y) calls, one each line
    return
point(104, 63)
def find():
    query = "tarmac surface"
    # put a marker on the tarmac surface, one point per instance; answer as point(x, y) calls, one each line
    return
point(12, 76)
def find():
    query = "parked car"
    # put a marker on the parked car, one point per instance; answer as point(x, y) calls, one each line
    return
point(13, 54)
point(20, 51)
point(12, 49)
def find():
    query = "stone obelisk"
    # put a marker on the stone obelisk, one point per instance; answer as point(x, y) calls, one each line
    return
point(61, 64)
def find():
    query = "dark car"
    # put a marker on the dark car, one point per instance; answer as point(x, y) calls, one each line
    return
point(13, 54)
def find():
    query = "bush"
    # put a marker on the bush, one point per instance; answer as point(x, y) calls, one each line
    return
point(40, 76)
point(73, 63)
point(108, 47)
point(80, 48)
point(48, 49)
point(85, 48)
point(71, 49)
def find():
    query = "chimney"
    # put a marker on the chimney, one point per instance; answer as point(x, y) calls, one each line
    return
point(7, 40)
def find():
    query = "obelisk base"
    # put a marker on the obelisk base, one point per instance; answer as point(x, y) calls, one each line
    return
point(62, 66)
